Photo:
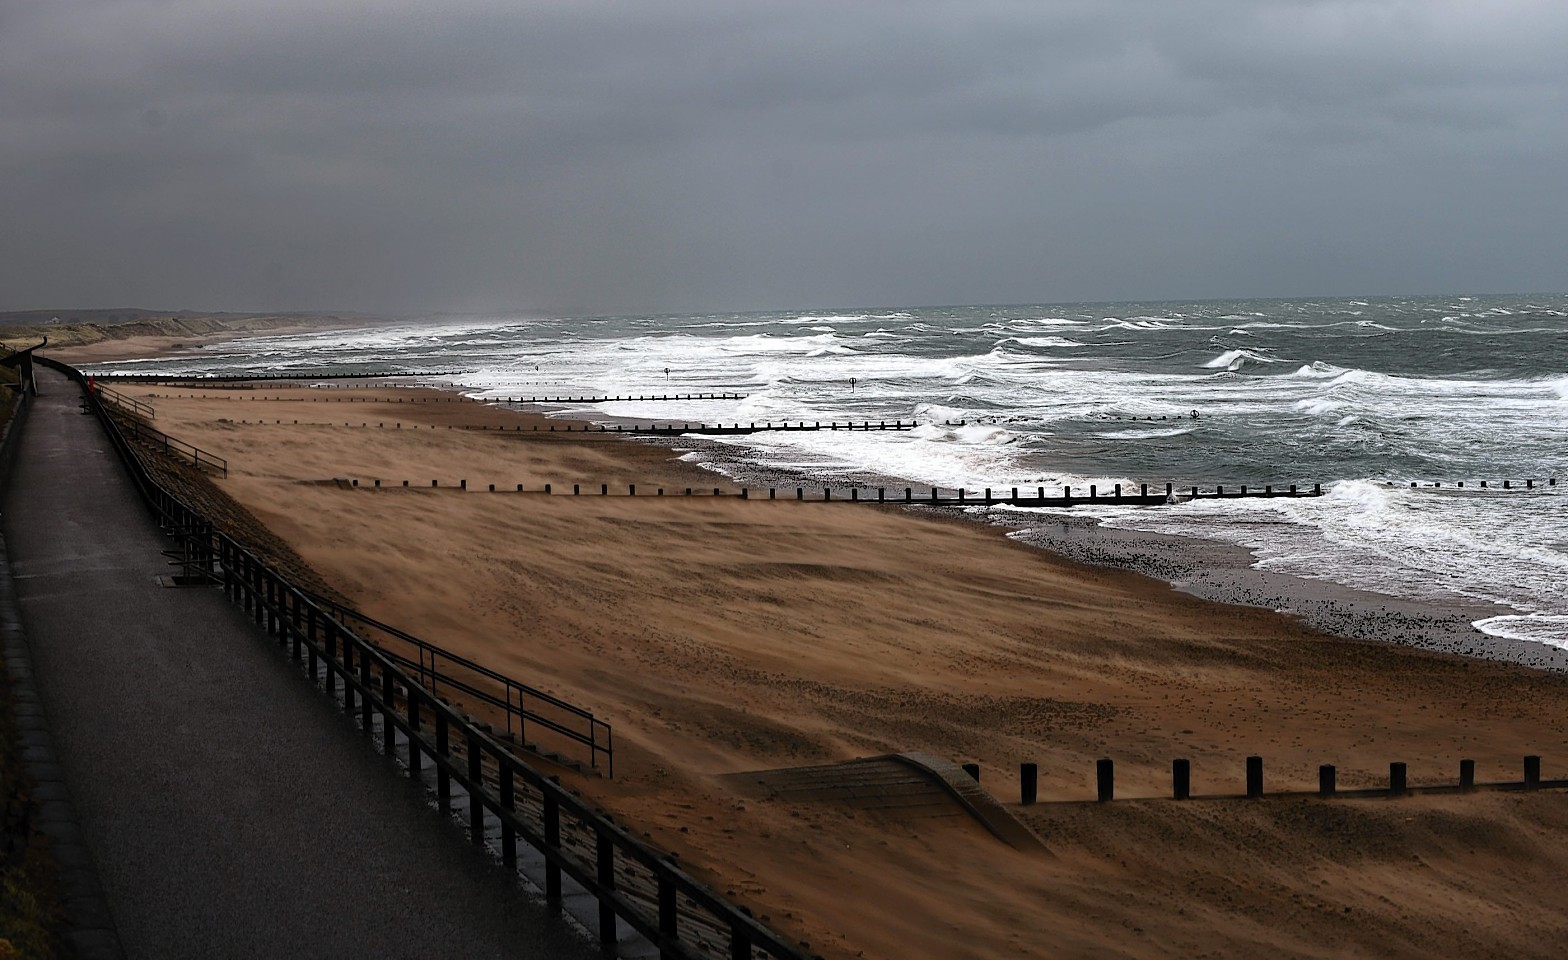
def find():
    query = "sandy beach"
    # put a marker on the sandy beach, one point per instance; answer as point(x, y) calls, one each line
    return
point(721, 636)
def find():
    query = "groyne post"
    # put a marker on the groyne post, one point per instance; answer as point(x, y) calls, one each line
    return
point(1181, 779)
point(1466, 775)
point(1326, 778)
point(1105, 779)
point(1532, 773)
point(1028, 783)
point(1254, 777)
point(1396, 780)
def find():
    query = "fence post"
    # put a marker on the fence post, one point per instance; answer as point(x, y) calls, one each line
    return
point(388, 697)
point(332, 656)
point(1532, 773)
point(1396, 780)
point(506, 780)
point(1466, 775)
point(1105, 779)
point(1254, 777)
point(348, 674)
point(669, 931)
point(740, 943)
point(364, 697)
point(443, 756)
point(415, 754)
point(1181, 779)
point(476, 809)
point(1028, 783)
point(605, 863)
point(1326, 785)
point(552, 843)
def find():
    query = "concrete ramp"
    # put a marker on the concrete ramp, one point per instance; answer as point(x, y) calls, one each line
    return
point(905, 786)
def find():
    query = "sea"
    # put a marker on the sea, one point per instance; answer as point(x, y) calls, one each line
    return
point(1389, 403)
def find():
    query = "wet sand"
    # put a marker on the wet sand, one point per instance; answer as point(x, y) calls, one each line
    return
point(721, 636)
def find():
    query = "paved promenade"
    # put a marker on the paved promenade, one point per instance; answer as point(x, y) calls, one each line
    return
point(230, 810)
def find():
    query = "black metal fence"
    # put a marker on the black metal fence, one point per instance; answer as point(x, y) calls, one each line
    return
point(628, 879)
point(129, 404)
point(178, 449)
point(551, 722)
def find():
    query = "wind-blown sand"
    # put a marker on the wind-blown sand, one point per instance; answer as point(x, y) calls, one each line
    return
point(720, 635)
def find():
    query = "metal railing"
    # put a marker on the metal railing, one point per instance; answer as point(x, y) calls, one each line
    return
point(526, 708)
point(124, 402)
point(178, 449)
point(628, 879)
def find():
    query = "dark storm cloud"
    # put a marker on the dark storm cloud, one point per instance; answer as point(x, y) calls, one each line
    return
point(640, 156)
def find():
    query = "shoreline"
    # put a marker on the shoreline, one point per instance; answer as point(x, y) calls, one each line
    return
point(1208, 569)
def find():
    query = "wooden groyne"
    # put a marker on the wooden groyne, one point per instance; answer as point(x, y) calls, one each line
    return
point(250, 377)
point(712, 429)
point(618, 398)
point(933, 497)
point(1397, 785)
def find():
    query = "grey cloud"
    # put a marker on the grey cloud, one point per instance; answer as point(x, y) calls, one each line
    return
point(618, 155)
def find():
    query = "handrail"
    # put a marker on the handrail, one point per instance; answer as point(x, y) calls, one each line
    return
point(598, 738)
point(119, 399)
point(199, 457)
point(628, 879)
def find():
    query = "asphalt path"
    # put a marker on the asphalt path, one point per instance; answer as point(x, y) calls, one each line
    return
point(231, 811)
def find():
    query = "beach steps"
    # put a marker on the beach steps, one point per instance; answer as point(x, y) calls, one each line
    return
point(904, 786)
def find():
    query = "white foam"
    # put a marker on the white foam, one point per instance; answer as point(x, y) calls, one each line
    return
point(1550, 629)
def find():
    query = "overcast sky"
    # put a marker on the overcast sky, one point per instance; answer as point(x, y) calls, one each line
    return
point(653, 155)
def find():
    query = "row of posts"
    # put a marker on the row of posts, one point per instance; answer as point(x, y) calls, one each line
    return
point(909, 496)
point(1181, 778)
point(1507, 484)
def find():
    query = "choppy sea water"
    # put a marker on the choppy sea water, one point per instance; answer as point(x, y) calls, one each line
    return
point(1363, 396)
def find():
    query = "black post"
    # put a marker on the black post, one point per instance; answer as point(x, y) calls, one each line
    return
point(1467, 775)
point(364, 697)
point(1028, 783)
point(1254, 777)
point(443, 753)
point(552, 842)
point(388, 731)
point(606, 876)
point(1396, 780)
point(1532, 773)
point(1326, 784)
point(415, 755)
point(1181, 779)
point(668, 928)
point(1105, 779)
point(476, 810)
